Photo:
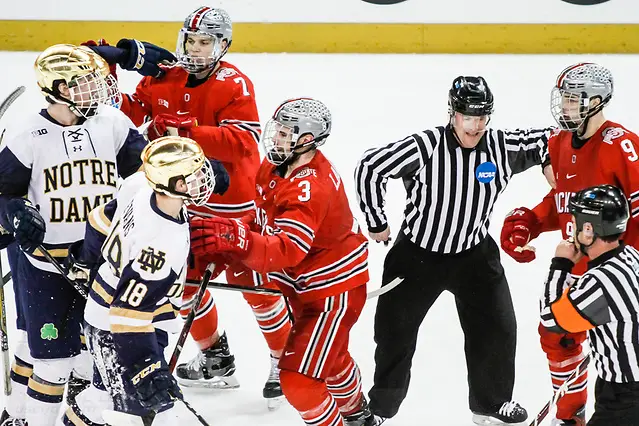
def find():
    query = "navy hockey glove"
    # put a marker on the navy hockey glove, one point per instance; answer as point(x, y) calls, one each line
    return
point(155, 386)
point(134, 55)
point(144, 57)
point(222, 178)
point(76, 269)
point(26, 224)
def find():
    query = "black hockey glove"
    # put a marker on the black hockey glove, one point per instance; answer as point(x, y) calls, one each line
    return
point(76, 269)
point(26, 224)
point(222, 178)
point(154, 384)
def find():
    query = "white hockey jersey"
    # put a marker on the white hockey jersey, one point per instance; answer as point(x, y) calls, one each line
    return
point(138, 289)
point(66, 171)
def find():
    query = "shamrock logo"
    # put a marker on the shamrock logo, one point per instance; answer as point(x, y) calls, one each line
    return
point(48, 332)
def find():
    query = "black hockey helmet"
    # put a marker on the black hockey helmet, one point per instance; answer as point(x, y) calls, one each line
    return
point(470, 96)
point(603, 206)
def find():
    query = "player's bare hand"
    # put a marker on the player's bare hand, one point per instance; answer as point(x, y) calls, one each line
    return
point(568, 250)
point(381, 237)
point(549, 174)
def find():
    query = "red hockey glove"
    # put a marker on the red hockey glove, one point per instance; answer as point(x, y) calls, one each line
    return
point(520, 226)
point(113, 67)
point(163, 123)
point(220, 235)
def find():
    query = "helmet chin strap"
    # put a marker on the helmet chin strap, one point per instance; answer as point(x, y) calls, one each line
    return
point(581, 130)
point(582, 246)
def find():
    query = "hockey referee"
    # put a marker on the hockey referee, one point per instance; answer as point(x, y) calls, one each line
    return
point(453, 175)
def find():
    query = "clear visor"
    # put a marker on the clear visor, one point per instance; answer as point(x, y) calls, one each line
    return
point(197, 51)
point(200, 185)
point(569, 109)
point(473, 124)
point(278, 141)
point(90, 91)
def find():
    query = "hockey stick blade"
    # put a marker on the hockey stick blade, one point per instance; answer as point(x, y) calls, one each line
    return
point(84, 292)
point(261, 290)
point(385, 288)
point(4, 106)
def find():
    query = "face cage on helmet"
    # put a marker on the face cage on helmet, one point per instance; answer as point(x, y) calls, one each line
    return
point(577, 101)
point(278, 148)
point(200, 185)
point(90, 91)
point(196, 64)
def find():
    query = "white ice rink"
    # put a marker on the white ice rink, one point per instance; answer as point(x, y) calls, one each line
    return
point(377, 99)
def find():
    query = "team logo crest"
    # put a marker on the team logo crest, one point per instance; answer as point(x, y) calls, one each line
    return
point(224, 73)
point(611, 133)
point(485, 172)
point(151, 260)
point(48, 332)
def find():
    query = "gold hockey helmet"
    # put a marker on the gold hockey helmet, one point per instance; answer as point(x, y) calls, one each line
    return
point(84, 72)
point(171, 158)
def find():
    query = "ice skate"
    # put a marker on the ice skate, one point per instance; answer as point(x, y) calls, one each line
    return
point(213, 368)
point(509, 413)
point(6, 420)
point(75, 385)
point(272, 390)
point(362, 417)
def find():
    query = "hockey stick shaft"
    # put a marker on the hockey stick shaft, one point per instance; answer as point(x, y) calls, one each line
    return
point(84, 292)
point(197, 415)
point(577, 372)
point(4, 342)
point(191, 316)
point(261, 290)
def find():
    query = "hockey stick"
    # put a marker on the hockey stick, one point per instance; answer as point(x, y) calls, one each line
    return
point(261, 290)
point(84, 292)
point(6, 278)
point(117, 418)
point(4, 342)
point(4, 106)
point(577, 372)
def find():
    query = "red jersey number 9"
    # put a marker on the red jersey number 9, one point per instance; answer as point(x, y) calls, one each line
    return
point(629, 148)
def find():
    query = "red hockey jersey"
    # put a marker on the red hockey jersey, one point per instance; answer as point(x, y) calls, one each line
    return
point(312, 246)
point(609, 157)
point(228, 126)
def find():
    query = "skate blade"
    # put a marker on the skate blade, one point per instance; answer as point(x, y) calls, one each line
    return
point(274, 403)
point(229, 382)
point(479, 419)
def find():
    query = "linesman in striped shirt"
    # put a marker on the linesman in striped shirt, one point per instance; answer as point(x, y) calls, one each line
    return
point(604, 301)
point(453, 175)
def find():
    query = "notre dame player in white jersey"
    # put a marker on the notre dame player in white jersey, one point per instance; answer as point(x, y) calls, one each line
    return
point(143, 237)
point(55, 167)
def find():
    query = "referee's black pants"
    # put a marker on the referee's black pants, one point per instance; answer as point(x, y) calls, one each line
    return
point(476, 278)
point(615, 404)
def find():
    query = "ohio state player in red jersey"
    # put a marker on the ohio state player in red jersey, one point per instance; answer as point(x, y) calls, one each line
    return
point(213, 102)
point(307, 241)
point(588, 150)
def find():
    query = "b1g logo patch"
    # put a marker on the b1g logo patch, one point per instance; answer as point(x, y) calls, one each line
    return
point(486, 172)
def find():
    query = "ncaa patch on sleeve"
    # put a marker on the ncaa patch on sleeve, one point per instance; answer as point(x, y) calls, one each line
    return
point(485, 172)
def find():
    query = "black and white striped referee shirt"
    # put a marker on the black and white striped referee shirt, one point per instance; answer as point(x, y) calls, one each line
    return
point(451, 190)
point(604, 301)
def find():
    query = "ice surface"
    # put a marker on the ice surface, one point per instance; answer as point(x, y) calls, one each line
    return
point(377, 99)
